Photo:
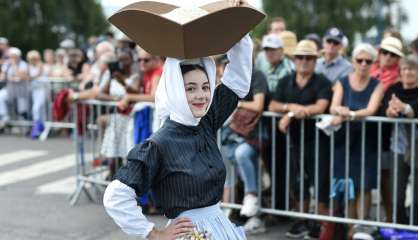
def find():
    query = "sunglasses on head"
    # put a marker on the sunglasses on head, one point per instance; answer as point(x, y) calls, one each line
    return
point(306, 57)
point(362, 60)
point(385, 52)
point(333, 42)
point(145, 60)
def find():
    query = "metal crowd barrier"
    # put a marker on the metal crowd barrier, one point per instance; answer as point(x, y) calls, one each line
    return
point(88, 139)
point(296, 212)
point(53, 86)
point(91, 179)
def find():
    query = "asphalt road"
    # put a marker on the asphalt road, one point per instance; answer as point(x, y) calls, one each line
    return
point(36, 180)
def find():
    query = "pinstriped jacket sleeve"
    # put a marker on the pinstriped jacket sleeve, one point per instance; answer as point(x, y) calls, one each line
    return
point(141, 168)
point(131, 181)
point(235, 83)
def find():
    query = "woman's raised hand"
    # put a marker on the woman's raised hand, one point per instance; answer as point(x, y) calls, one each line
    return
point(176, 229)
point(237, 3)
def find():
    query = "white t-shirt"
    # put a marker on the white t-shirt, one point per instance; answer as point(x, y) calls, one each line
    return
point(10, 72)
point(116, 89)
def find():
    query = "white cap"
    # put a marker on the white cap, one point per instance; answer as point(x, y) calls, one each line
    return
point(67, 43)
point(4, 40)
point(14, 51)
point(272, 41)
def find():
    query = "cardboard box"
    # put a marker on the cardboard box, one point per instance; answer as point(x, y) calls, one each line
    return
point(167, 30)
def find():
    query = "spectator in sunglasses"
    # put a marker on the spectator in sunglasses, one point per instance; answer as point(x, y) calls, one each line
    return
point(356, 96)
point(386, 69)
point(151, 69)
point(298, 96)
point(332, 64)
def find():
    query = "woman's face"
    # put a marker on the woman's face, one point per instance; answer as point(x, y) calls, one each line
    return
point(409, 75)
point(387, 58)
point(362, 63)
point(49, 57)
point(126, 60)
point(146, 61)
point(33, 60)
point(196, 85)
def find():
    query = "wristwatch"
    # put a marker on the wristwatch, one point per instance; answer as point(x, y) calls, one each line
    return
point(290, 114)
point(407, 109)
point(352, 115)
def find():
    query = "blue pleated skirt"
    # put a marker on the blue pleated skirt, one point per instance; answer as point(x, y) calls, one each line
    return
point(214, 221)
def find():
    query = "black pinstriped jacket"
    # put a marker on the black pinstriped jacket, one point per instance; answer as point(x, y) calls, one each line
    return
point(182, 164)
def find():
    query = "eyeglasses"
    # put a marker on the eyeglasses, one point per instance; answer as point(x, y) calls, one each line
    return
point(333, 42)
point(384, 52)
point(145, 60)
point(305, 57)
point(362, 60)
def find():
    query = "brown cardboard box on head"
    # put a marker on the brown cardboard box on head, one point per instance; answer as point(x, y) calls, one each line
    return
point(171, 31)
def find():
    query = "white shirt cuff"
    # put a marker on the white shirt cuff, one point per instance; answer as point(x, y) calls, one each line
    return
point(237, 76)
point(120, 203)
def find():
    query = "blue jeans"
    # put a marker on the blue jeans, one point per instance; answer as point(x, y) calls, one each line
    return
point(245, 156)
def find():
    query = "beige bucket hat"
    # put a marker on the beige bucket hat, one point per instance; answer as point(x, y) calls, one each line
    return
point(393, 45)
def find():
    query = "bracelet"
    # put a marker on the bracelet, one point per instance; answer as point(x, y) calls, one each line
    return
point(75, 96)
point(352, 115)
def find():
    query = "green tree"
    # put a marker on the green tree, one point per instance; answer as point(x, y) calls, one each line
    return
point(40, 24)
point(316, 16)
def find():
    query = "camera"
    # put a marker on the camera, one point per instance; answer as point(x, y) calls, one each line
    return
point(115, 67)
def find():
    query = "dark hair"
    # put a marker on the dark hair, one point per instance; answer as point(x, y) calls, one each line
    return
point(275, 19)
point(393, 32)
point(185, 68)
point(127, 51)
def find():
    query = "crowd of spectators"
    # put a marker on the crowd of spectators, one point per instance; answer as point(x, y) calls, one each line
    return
point(298, 79)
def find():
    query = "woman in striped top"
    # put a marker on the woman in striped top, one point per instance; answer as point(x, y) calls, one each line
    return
point(181, 162)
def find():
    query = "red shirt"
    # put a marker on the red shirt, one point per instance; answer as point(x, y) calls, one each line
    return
point(387, 75)
point(148, 77)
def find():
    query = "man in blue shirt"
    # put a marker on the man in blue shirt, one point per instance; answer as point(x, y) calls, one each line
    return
point(332, 64)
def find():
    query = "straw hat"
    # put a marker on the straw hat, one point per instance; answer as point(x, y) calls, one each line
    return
point(289, 41)
point(306, 48)
point(392, 45)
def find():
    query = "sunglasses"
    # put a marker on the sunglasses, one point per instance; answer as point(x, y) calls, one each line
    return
point(361, 61)
point(384, 52)
point(305, 57)
point(333, 42)
point(145, 60)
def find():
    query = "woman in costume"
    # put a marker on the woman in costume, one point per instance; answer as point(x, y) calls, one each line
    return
point(181, 162)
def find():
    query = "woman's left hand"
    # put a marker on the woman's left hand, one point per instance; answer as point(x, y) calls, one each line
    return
point(123, 103)
point(284, 123)
point(396, 104)
point(337, 120)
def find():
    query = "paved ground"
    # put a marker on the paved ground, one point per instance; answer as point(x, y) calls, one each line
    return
point(36, 179)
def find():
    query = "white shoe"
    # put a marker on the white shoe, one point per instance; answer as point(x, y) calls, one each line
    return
point(255, 225)
point(266, 180)
point(249, 206)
